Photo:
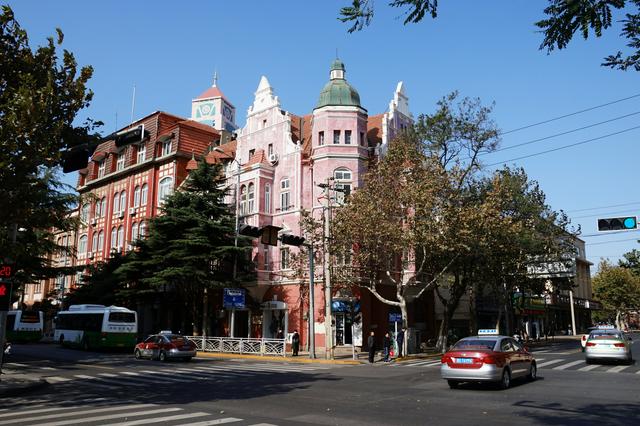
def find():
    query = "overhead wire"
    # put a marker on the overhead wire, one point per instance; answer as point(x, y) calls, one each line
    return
point(603, 214)
point(602, 207)
point(612, 241)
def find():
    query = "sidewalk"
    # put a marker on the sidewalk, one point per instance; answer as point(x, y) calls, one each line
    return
point(13, 383)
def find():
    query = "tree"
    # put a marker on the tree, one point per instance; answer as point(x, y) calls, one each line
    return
point(618, 290)
point(40, 97)
point(631, 261)
point(190, 246)
point(564, 19)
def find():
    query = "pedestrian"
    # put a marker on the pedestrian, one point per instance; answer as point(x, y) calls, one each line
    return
point(295, 342)
point(371, 344)
point(400, 340)
point(386, 345)
point(280, 334)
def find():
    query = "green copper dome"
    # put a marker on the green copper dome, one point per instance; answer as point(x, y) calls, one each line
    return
point(337, 92)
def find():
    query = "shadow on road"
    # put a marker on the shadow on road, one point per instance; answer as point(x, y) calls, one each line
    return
point(552, 413)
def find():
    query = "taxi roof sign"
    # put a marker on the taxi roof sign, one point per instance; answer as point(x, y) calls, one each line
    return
point(488, 332)
point(166, 332)
point(606, 327)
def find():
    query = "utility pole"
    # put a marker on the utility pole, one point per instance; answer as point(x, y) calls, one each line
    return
point(312, 320)
point(328, 327)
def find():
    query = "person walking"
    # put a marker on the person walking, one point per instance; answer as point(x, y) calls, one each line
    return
point(295, 342)
point(386, 345)
point(371, 344)
point(400, 340)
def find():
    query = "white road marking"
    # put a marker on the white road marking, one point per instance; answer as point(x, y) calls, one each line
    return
point(429, 362)
point(618, 369)
point(41, 410)
point(164, 376)
point(567, 365)
point(589, 367)
point(214, 422)
point(160, 419)
point(126, 415)
point(48, 368)
point(56, 379)
point(16, 364)
point(553, 361)
point(72, 413)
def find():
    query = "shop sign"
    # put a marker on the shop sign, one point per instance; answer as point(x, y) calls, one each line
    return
point(233, 298)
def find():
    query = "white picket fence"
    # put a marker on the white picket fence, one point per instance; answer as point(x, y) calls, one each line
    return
point(240, 345)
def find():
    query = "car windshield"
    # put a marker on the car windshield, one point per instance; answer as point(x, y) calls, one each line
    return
point(467, 344)
point(176, 338)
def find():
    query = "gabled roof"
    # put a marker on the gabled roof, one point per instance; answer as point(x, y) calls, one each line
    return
point(212, 92)
point(258, 158)
point(374, 129)
point(228, 153)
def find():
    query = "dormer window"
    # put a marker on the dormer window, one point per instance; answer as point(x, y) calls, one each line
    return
point(102, 166)
point(166, 147)
point(142, 153)
point(120, 162)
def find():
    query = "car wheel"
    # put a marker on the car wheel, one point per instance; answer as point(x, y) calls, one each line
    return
point(588, 361)
point(453, 384)
point(163, 356)
point(533, 372)
point(506, 379)
point(137, 354)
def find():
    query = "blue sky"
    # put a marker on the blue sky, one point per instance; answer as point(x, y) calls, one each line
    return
point(169, 51)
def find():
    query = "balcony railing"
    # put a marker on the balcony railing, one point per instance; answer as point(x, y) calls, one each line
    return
point(240, 345)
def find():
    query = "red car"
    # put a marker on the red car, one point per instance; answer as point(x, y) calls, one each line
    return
point(487, 357)
point(165, 346)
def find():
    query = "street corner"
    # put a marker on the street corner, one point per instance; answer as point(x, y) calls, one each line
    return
point(13, 385)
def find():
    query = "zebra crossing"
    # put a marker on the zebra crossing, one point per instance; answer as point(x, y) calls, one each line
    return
point(544, 363)
point(104, 411)
point(180, 373)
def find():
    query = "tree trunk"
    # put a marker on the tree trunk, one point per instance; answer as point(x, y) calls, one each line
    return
point(500, 309)
point(441, 345)
point(618, 325)
point(473, 312)
point(405, 321)
point(205, 314)
point(196, 329)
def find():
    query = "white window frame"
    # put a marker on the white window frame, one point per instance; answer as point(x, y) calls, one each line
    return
point(285, 258)
point(114, 237)
point(142, 229)
point(267, 199)
point(144, 191)
point(321, 138)
point(82, 244)
point(101, 240)
point(251, 196)
point(120, 236)
point(123, 201)
point(165, 188)
point(120, 161)
point(136, 196)
point(142, 153)
point(116, 204)
point(166, 148)
point(94, 242)
point(84, 213)
point(102, 167)
point(343, 179)
point(134, 231)
point(285, 194)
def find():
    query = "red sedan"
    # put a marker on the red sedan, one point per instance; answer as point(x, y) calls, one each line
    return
point(487, 357)
point(165, 346)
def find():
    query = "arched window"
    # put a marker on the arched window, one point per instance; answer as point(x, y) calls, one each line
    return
point(342, 177)
point(82, 244)
point(134, 231)
point(250, 198)
point(285, 195)
point(143, 195)
point(84, 213)
point(101, 240)
point(116, 203)
point(94, 242)
point(123, 201)
point(267, 199)
point(114, 237)
point(142, 232)
point(120, 236)
point(243, 200)
point(136, 197)
point(166, 188)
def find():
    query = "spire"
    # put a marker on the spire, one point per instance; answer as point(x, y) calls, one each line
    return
point(215, 78)
point(264, 97)
point(264, 84)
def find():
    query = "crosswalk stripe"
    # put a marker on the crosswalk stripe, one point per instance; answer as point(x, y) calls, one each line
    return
point(15, 364)
point(74, 413)
point(56, 379)
point(262, 424)
point(48, 368)
point(165, 376)
point(553, 361)
point(160, 419)
point(424, 362)
point(213, 422)
point(40, 410)
point(638, 372)
point(567, 365)
point(99, 381)
point(588, 367)
point(113, 416)
point(618, 369)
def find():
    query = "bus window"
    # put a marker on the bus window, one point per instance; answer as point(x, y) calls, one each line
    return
point(30, 317)
point(122, 317)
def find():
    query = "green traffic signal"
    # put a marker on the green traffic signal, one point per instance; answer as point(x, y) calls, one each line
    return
point(618, 223)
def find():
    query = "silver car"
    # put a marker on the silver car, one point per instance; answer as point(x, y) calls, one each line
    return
point(487, 358)
point(608, 344)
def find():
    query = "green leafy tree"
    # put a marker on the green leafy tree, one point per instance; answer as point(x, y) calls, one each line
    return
point(631, 261)
point(40, 97)
point(618, 289)
point(190, 246)
point(564, 19)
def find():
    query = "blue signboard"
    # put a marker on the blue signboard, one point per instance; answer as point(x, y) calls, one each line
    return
point(393, 317)
point(233, 298)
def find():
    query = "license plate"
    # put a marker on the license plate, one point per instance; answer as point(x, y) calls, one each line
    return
point(464, 360)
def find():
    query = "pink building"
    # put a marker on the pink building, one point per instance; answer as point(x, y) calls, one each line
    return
point(283, 158)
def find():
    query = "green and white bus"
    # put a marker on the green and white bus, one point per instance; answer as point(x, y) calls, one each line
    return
point(96, 327)
point(24, 326)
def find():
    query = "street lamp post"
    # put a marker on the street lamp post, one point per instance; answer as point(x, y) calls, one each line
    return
point(235, 237)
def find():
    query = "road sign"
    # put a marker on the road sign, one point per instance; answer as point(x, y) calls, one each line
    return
point(394, 317)
point(233, 298)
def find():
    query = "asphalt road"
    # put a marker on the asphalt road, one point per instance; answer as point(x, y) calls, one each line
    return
point(95, 388)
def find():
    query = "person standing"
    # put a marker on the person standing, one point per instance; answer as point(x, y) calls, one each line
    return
point(295, 342)
point(400, 340)
point(386, 345)
point(371, 344)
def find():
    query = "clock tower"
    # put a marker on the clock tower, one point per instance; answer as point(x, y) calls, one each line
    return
point(213, 109)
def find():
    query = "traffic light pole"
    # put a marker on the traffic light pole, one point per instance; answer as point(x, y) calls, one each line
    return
point(328, 317)
point(312, 319)
point(3, 312)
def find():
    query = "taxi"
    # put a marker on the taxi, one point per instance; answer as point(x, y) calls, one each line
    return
point(165, 346)
point(607, 342)
point(487, 357)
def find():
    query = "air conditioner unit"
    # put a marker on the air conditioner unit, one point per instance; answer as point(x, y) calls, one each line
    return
point(90, 255)
point(121, 214)
point(273, 158)
point(94, 221)
point(132, 211)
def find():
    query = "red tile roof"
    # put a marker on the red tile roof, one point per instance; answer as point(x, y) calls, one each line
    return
point(374, 129)
point(212, 92)
point(228, 152)
point(258, 158)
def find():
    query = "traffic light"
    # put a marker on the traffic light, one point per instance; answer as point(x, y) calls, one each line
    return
point(618, 223)
point(6, 273)
point(292, 240)
point(77, 158)
point(250, 231)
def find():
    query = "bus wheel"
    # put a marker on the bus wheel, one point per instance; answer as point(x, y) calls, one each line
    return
point(61, 340)
point(163, 356)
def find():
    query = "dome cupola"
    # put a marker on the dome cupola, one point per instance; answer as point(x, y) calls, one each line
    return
point(337, 92)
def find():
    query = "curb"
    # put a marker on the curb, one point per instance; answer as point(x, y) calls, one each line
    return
point(21, 388)
point(300, 360)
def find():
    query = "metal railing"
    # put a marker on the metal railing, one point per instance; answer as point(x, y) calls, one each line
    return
point(240, 345)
